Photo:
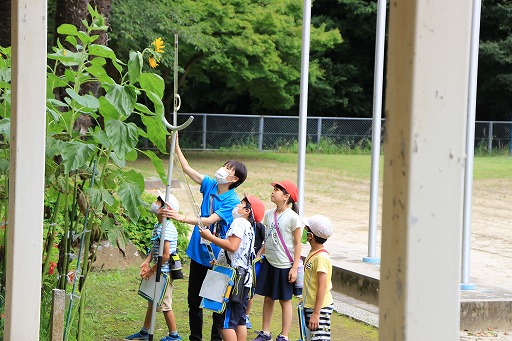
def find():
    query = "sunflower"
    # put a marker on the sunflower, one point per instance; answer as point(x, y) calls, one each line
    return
point(159, 45)
point(152, 62)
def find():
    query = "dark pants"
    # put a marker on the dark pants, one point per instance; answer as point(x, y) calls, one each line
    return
point(195, 313)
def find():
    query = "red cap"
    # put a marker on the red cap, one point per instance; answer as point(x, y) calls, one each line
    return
point(258, 209)
point(290, 187)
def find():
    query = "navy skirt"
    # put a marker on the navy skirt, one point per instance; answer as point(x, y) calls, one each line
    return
point(273, 282)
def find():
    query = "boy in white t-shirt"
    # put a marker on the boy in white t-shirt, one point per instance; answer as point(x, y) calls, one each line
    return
point(236, 252)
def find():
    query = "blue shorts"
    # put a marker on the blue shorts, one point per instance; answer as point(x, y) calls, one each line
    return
point(273, 282)
point(233, 315)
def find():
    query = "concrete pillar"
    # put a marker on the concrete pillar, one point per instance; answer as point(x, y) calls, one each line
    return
point(26, 191)
point(58, 309)
point(424, 155)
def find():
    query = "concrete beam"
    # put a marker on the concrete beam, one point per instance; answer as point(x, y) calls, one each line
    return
point(424, 156)
point(26, 176)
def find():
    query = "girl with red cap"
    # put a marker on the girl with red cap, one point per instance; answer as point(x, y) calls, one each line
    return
point(282, 255)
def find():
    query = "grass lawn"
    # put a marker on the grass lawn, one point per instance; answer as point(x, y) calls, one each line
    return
point(114, 310)
point(354, 166)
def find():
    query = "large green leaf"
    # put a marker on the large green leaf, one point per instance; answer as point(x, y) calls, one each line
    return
point(142, 108)
point(86, 101)
point(98, 197)
point(123, 98)
point(151, 82)
point(130, 193)
point(156, 131)
point(122, 136)
point(134, 66)
point(107, 110)
point(76, 155)
point(67, 29)
point(115, 234)
point(53, 81)
point(101, 51)
point(157, 163)
point(157, 103)
point(99, 72)
point(53, 147)
point(100, 136)
point(5, 127)
point(5, 75)
point(4, 167)
point(119, 162)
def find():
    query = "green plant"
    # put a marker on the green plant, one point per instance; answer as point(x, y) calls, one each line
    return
point(89, 193)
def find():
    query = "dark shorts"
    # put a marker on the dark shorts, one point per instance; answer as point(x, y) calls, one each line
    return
point(233, 315)
point(273, 282)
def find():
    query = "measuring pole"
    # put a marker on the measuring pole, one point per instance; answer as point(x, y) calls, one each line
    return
point(174, 128)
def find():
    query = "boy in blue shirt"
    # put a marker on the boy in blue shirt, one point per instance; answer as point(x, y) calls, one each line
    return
point(219, 199)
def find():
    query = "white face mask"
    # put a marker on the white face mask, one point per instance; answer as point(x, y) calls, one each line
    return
point(235, 213)
point(154, 208)
point(221, 176)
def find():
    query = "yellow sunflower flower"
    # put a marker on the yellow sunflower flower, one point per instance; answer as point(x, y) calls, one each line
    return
point(159, 45)
point(152, 62)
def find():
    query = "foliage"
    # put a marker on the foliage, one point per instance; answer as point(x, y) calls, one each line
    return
point(346, 90)
point(89, 194)
point(238, 56)
point(495, 62)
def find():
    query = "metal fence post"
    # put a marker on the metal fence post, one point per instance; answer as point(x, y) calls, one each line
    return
point(319, 130)
point(260, 134)
point(204, 131)
point(489, 143)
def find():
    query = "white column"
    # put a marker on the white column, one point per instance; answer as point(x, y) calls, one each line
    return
point(303, 103)
point(26, 191)
point(426, 106)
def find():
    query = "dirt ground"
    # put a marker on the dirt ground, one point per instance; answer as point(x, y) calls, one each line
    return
point(346, 201)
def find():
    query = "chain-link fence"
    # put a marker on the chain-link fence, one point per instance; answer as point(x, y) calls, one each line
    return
point(215, 131)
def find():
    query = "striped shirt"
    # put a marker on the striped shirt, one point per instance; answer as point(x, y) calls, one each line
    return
point(171, 234)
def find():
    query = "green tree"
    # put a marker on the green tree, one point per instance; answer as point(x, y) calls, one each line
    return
point(494, 99)
point(5, 23)
point(236, 55)
point(346, 90)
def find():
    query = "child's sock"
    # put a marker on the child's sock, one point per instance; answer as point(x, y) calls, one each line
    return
point(174, 333)
point(144, 330)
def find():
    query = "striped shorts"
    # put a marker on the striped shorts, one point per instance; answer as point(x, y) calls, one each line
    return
point(324, 329)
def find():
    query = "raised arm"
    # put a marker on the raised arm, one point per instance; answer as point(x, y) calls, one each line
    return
point(191, 172)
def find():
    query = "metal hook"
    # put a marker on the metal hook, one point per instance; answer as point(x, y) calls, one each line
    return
point(180, 127)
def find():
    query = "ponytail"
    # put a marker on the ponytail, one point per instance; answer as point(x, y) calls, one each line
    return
point(295, 207)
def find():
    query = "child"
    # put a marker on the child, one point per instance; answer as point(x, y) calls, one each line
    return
point(147, 270)
point(282, 254)
point(259, 237)
point(318, 302)
point(219, 199)
point(236, 252)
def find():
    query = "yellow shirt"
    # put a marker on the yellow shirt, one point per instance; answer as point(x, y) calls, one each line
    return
point(320, 262)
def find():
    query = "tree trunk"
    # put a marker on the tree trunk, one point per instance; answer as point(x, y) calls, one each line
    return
point(73, 12)
point(5, 23)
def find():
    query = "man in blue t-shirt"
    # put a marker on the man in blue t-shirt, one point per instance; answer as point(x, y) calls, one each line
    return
point(219, 199)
